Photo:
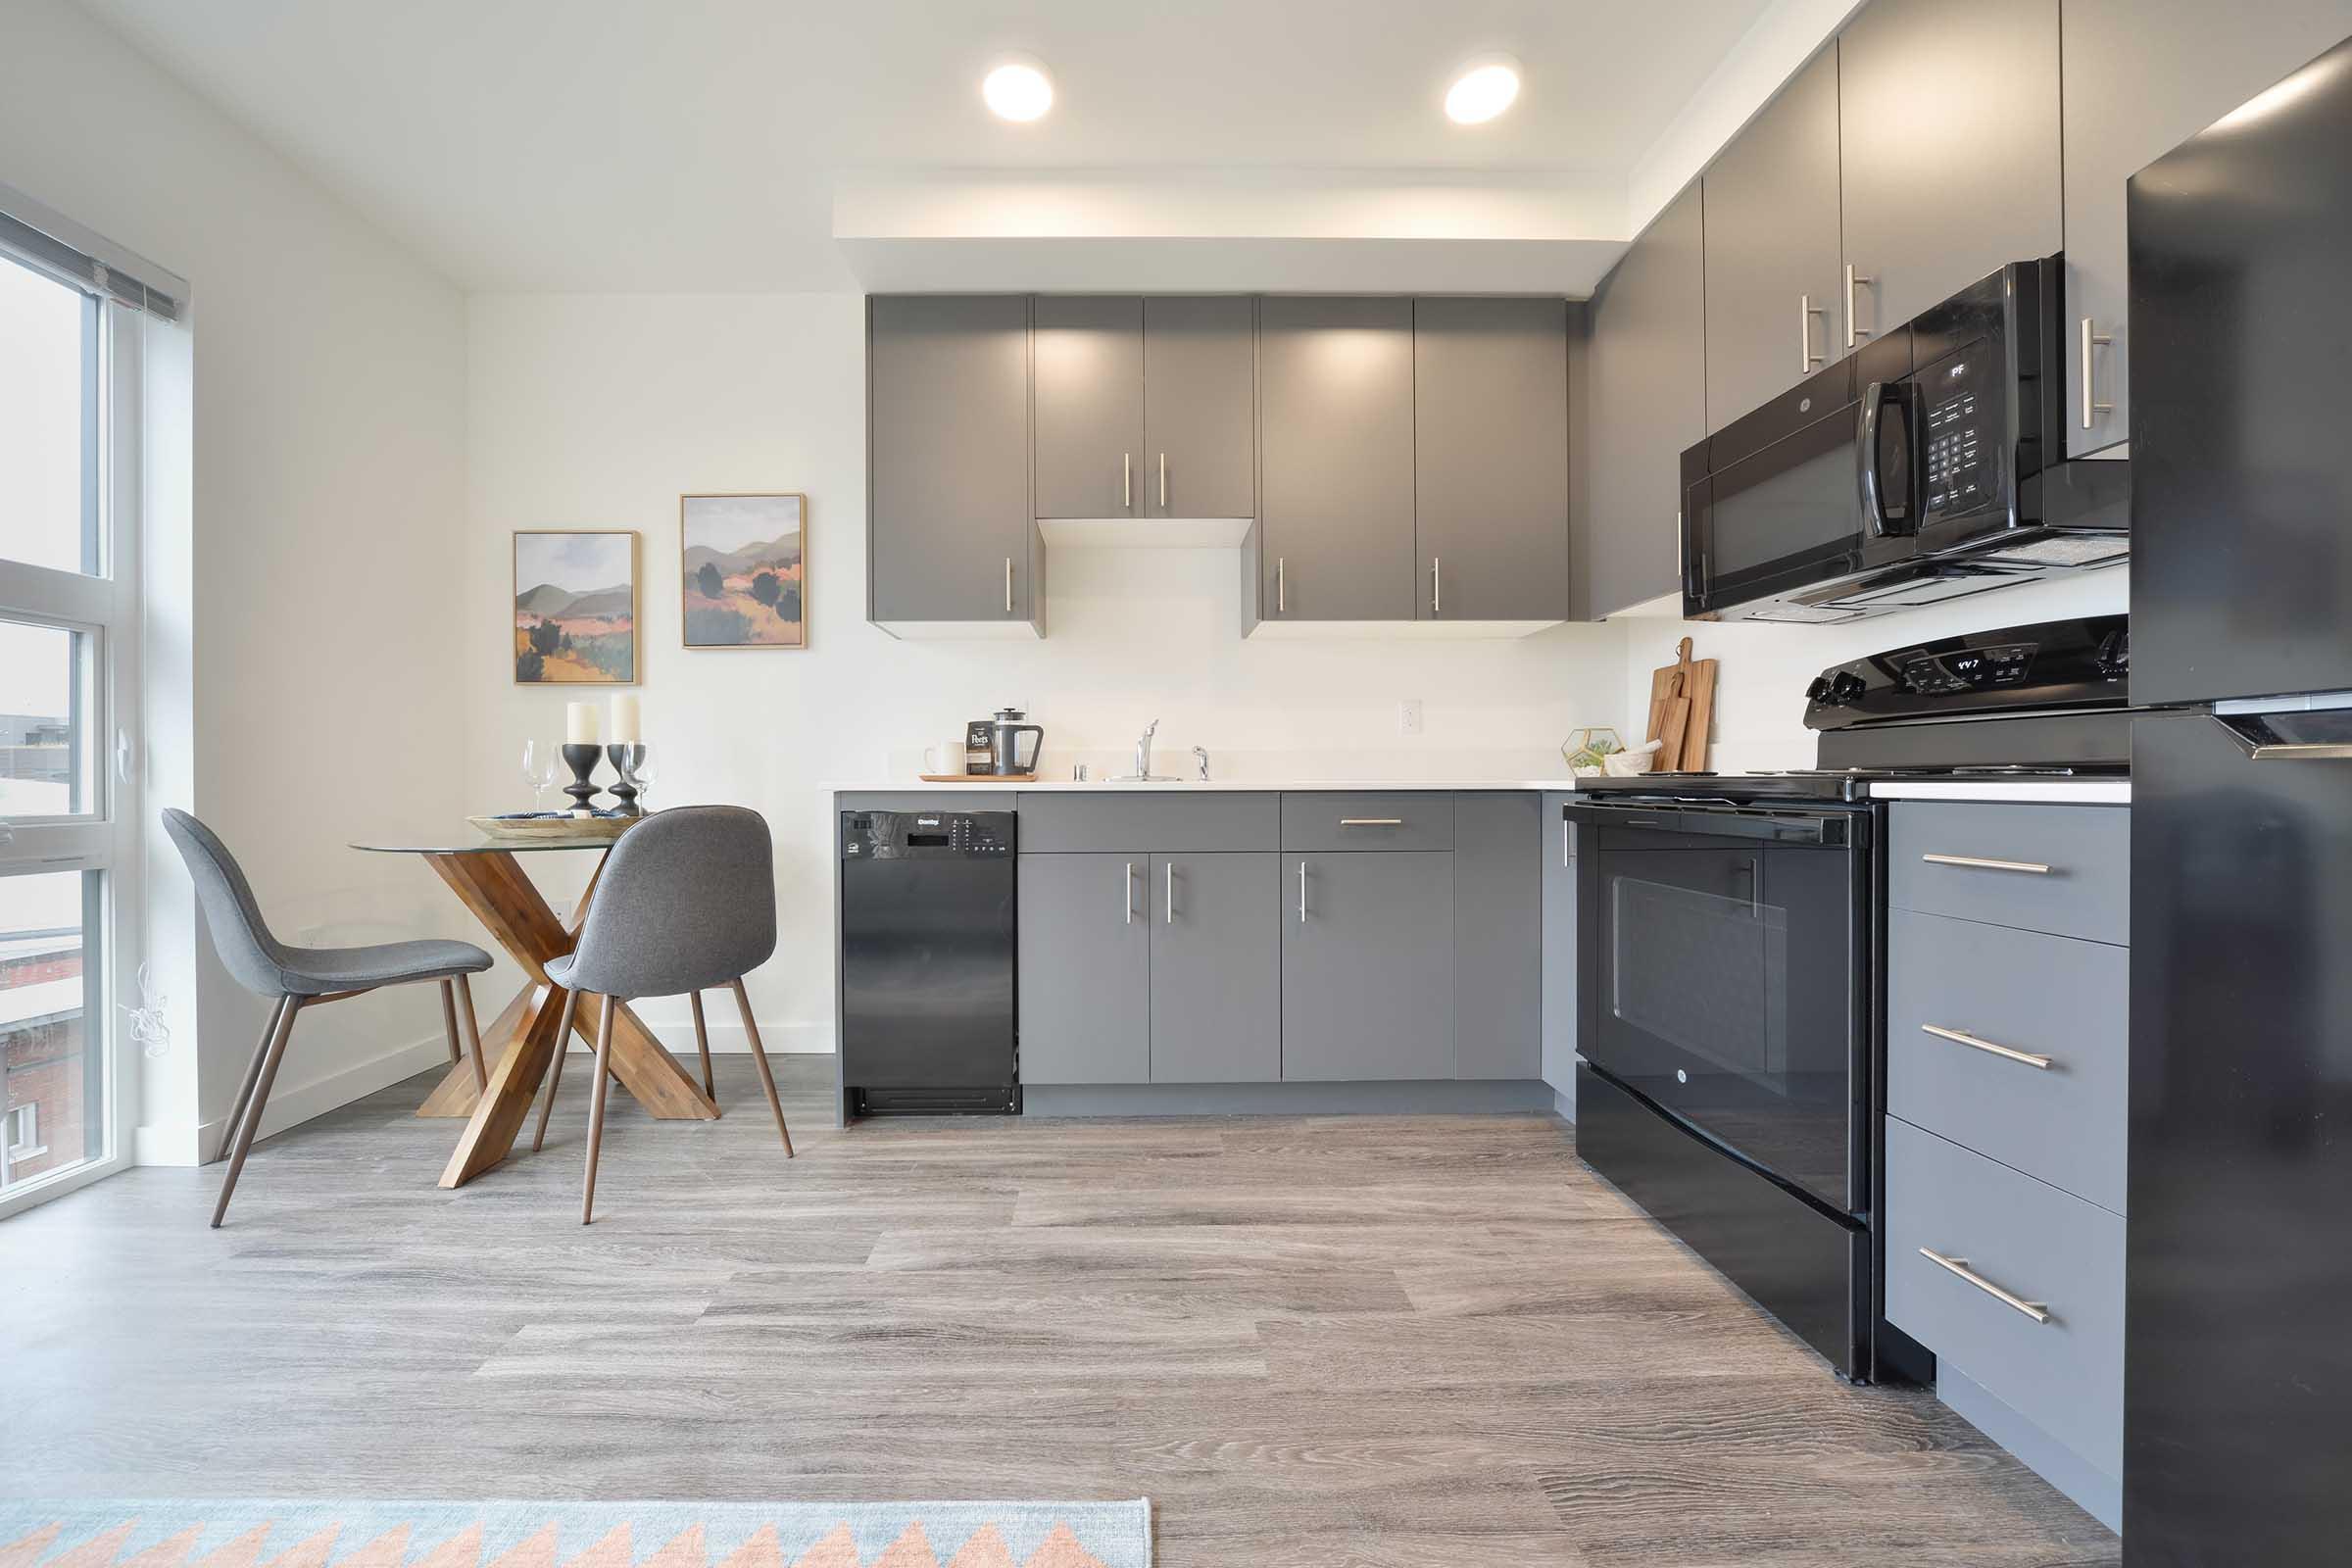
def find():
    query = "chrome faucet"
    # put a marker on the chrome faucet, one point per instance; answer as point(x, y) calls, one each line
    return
point(1201, 757)
point(1142, 750)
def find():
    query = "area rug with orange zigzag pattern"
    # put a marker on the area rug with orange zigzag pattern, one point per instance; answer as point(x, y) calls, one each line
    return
point(217, 1534)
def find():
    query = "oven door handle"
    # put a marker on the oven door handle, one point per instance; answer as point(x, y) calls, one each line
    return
point(1828, 830)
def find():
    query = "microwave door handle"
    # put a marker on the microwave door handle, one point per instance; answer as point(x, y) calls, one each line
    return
point(1866, 461)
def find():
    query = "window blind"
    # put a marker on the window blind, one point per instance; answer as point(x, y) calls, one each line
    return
point(51, 243)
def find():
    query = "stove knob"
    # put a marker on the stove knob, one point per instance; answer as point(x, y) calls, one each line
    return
point(1818, 691)
point(1847, 687)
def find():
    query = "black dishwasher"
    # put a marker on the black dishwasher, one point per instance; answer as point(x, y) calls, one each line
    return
point(928, 1007)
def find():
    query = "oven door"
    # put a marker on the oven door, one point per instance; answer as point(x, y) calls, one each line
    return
point(1729, 970)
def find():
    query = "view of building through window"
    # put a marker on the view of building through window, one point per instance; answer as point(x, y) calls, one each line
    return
point(51, 1079)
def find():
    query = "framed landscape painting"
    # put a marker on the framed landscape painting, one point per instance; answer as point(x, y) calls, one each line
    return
point(745, 563)
point(576, 608)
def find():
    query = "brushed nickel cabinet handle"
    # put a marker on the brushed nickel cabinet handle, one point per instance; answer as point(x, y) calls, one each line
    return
point(1172, 915)
point(1127, 894)
point(1163, 481)
point(1127, 480)
point(1371, 821)
point(1009, 586)
point(1281, 589)
point(1302, 892)
point(1981, 864)
point(2039, 1311)
point(1437, 587)
point(1961, 1037)
point(1853, 278)
point(1806, 309)
point(2091, 407)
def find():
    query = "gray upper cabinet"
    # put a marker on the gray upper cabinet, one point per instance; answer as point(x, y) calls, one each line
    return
point(1216, 968)
point(1948, 130)
point(1200, 453)
point(1648, 376)
point(1367, 966)
point(1497, 936)
point(1090, 406)
point(1774, 313)
point(950, 535)
point(1085, 967)
point(1336, 443)
point(1491, 459)
point(2141, 76)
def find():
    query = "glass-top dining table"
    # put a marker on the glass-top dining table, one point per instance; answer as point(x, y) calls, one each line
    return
point(523, 1043)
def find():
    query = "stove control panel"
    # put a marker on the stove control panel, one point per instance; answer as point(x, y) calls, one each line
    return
point(2082, 663)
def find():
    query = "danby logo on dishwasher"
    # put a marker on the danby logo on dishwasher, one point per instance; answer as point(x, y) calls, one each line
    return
point(927, 821)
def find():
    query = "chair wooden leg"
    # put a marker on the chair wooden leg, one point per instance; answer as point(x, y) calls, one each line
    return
point(767, 1079)
point(252, 1122)
point(448, 1020)
point(473, 1032)
point(702, 1042)
point(596, 1106)
point(555, 1071)
point(253, 1073)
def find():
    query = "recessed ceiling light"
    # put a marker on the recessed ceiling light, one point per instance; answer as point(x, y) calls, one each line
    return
point(1018, 91)
point(1484, 90)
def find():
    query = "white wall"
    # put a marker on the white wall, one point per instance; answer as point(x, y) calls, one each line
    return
point(599, 410)
point(320, 648)
point(1760, 685)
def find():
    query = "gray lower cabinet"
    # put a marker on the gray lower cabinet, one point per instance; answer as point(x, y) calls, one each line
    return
point(1085, 969)
point(1367, 966)
point(1948, 142)
point(2141, 76)
point(1216, 968)
point(1774, 312)
point(1555, 848)
point(1491, 459)
point(1090, 405)
point(1647, 375)
point(1498, 937)
point(1200, 455)
point(1336, 458)
point(950, 533)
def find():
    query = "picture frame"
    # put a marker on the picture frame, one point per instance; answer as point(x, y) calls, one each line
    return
point(743, 569)
point(577, 617)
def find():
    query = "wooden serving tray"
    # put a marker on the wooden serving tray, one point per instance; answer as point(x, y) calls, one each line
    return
point(977, 778)
point(544, 829)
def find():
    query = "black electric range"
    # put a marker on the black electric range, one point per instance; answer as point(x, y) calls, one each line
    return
point(1729, 949)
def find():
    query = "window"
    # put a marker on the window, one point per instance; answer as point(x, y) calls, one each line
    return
point(74, 319)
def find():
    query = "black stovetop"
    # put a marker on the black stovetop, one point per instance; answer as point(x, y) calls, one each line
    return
point(1815, 784)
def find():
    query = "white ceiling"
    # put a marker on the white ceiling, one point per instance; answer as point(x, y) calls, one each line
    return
point(700, 144)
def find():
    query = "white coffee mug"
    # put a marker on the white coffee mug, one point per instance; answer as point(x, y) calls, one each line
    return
point(948, 757)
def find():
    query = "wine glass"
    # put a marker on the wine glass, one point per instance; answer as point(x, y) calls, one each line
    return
point(642, 775)
point(538, 771)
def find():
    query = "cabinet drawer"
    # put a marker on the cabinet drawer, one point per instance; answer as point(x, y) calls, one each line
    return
point(2059, 868)
point(1080, 823)
point(2065, 1257)
point(1325, 823)
point(2061, 1000)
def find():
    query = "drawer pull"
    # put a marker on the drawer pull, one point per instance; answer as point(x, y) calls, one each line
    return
point(1371, 821)
point(2036, 1310)
point(1962, 1038)
point(1981, 864)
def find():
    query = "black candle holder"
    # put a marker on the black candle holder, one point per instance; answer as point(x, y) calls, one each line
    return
point(583, 761)
point(625, 760)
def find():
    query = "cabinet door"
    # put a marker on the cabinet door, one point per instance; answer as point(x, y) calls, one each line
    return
point(1085, 969)
point(1336, 435)
point(1647, 374)
point(1772, 253)
point(2141, 76)
point(1557, 847)
point(1498, 937)
point(949, 523)
point(1491, 459)
point(1199, 457)
point(1090, 406)
point(1216, 968)
point(1367, 966)
point(1949, 128)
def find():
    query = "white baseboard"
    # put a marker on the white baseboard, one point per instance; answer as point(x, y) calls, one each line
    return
point(293, 1103)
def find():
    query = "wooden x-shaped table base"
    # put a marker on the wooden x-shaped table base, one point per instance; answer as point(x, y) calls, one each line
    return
point(522, 1040)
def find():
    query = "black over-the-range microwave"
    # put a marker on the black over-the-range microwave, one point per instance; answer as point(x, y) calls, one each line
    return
point(1926, 466)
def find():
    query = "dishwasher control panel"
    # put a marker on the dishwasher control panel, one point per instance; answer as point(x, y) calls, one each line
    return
point(926, 835)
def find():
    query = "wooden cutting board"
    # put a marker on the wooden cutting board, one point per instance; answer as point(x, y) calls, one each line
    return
point(1681, 708)
point(1664, 687)
point(1698, 689)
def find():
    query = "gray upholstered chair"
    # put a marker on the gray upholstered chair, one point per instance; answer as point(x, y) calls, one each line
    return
point(686, 903)
point(295, 978)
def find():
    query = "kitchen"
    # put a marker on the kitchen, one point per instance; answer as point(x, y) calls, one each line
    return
point(1470, 855)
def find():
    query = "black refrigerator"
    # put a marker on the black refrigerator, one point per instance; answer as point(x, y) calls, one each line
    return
point(2237, 1393)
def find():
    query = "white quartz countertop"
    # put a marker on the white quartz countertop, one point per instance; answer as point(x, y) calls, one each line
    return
point(2049, 791)
point(1386, 786)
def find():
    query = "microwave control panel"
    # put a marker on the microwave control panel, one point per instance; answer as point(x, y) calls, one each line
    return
point(1957, 451)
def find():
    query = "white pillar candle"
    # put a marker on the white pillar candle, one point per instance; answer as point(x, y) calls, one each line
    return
point(579, 723)
point(624, 719)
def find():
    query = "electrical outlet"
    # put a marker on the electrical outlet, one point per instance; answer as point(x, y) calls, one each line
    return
point(1409, 717)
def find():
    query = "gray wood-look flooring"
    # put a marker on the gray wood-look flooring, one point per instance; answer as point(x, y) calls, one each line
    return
point(1371, 1341)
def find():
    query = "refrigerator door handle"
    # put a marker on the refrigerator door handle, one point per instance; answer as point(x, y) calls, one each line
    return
point(2291, 736)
